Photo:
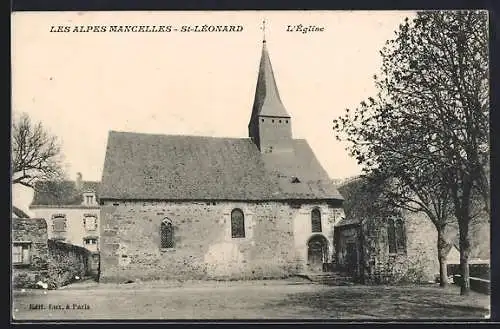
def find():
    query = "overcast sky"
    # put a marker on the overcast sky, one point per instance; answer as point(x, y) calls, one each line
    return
point(82, 85)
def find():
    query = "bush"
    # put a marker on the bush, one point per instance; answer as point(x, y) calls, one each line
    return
point(413, 274)
point(28, 280)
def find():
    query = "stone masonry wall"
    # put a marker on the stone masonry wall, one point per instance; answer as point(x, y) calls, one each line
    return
point(303, 231)
point(422, 245)
point(66, 263)
point(34, 232)
point(418, 264)
point(203, 246)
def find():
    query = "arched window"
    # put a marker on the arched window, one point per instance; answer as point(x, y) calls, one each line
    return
point(316, 220)
point(167, 234)
point(391, 237)
point(237, 224)
point(400, 235)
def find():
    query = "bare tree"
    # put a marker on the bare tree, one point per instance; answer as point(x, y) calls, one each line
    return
point(36, 155)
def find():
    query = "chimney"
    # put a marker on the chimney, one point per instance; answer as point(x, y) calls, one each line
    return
point(78, 182)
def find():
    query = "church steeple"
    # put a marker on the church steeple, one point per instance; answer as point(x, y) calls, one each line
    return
point(270, 123)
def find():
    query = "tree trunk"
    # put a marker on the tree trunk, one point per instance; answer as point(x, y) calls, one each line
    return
point(464, 255)
point(443, 272)
point(462, 203)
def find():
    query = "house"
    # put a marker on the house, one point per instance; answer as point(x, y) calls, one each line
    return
point(191, 207)
point(71, 210)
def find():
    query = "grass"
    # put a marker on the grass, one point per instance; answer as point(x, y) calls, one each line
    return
point(390, 302)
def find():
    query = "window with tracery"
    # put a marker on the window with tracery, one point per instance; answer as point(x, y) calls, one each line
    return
point(316, 220)
point(166, 234)
point(396, 236)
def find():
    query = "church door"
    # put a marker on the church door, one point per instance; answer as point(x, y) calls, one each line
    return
point(317, 251)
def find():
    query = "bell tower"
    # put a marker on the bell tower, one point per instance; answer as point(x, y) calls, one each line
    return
point(270, 125)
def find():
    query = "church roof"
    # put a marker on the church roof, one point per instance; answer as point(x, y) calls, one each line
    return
point(172, 167)
point(267, 100)
point(61, 193)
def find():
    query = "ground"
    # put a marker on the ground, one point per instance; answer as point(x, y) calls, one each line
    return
point(248, 300)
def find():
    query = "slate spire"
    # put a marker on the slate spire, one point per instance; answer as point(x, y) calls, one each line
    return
point(267, 101)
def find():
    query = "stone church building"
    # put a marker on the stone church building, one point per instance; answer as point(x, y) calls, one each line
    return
point(206, 207)
point(190, 207)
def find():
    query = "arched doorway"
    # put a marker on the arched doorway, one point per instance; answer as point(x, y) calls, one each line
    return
point(317, 252)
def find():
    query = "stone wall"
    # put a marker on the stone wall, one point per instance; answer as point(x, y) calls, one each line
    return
point(32, 232)
point(365, 204)
point(418, 264)
point(203, 246)
point(66, 263)
point(302, 231)
point(275, 133)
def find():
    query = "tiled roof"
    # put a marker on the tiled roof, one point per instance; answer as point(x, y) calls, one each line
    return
point(61, 193)
point(169, 167)
point(302, 164)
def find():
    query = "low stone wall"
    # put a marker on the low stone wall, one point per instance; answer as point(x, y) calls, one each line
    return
point(66, 263)
point(476, 284)
point(480, 285)
point(478, 270)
